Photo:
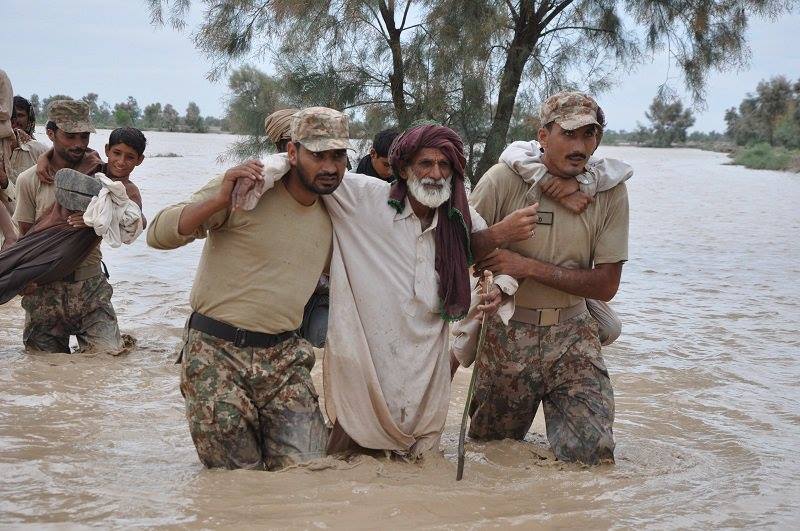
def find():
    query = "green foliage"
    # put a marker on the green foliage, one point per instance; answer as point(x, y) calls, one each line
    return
point(669, 121)
point(466, 62)
point(194, 122)
point(770, 115)
point(37, 106)
point(127, 113)
point(787, 129)
point(762, 156)
point(47, 100)
point(170, 119)
point(151, 117)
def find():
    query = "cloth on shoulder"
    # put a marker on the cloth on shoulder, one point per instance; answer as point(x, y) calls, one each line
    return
point(525, 159)
point(49, 251)
point(113, 216)
point(275, 167)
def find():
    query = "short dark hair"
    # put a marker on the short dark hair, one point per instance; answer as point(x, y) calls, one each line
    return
point(383, 141)
point(23, 104)
point(130, 136)
point(51, 125)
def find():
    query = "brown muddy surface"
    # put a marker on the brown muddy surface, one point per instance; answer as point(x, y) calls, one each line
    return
point(705, 376)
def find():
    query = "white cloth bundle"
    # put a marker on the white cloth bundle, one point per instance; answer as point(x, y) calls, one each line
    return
point(113, 215)
point(275, 167)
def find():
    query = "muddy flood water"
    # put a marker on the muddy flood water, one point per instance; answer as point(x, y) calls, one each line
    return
point(705, 375)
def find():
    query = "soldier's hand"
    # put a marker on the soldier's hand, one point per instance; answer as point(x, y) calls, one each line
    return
point(505, 262)
point(249, 171)
point(576, 202)
point(41, 171)
point(519, 225)
point(558, 188)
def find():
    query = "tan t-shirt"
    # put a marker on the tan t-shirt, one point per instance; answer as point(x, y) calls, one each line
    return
point(34, 199)
point(576, 241)
point(259, 267)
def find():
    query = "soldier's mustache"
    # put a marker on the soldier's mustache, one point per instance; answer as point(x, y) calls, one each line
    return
point(576, 155)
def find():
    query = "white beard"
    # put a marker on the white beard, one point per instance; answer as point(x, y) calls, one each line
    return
point(431, 198)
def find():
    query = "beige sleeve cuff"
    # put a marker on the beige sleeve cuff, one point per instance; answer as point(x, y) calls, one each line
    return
point(162, 233)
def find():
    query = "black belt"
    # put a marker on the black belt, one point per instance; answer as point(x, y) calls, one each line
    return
point(238, 336)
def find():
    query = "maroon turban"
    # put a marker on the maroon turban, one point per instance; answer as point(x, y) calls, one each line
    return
point(453, 253)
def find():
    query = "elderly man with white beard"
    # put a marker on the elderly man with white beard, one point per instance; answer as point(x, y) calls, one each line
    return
point(399, 276)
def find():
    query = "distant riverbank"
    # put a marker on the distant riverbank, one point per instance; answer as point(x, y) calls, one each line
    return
point(755, 157)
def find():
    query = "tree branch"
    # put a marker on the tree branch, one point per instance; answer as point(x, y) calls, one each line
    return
point(585, 28)
point(556, 11)
point(405, 14)
point(514, 14)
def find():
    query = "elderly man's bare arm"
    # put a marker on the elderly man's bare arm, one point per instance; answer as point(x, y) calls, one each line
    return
point(517, 226)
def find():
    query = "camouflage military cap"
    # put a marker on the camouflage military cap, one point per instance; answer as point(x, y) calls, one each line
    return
point(71, 116)
point(6, 105)
point(570, 110)
point(320, 129)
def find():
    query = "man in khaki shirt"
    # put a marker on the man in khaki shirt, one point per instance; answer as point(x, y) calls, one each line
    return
point(79, 304)
point(550, 351)
point(246, 374)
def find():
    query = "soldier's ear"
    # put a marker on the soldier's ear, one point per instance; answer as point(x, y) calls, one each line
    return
point(291, 152)
point(542, 136)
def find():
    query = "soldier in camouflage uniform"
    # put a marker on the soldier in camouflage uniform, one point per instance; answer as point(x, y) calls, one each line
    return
point(250, 400)
point(550, 350)
point(80, 304)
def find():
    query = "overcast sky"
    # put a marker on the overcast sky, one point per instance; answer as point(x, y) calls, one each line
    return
point(112, 49)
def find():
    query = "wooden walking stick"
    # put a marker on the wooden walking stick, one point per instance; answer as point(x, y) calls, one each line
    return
point(487, 286)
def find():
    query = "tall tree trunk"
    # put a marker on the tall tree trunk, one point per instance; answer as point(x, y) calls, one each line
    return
point(397, 77)
point(518, 54)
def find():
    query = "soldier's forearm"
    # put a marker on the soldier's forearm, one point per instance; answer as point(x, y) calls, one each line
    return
point(600, 283)
point(195, 214)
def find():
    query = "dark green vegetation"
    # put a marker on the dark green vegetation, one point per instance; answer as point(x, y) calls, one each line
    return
point(128, 113)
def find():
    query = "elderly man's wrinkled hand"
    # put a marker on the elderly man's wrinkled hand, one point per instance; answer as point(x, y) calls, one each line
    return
point(505, 262)
point(520, 225)
point(490, 301)
point(576, 202)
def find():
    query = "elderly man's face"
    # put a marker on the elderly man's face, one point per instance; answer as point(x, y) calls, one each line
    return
point(429, 177)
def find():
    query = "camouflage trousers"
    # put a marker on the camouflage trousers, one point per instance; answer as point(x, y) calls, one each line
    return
point(251, 407)
point(560, 366)
point(57, 310)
